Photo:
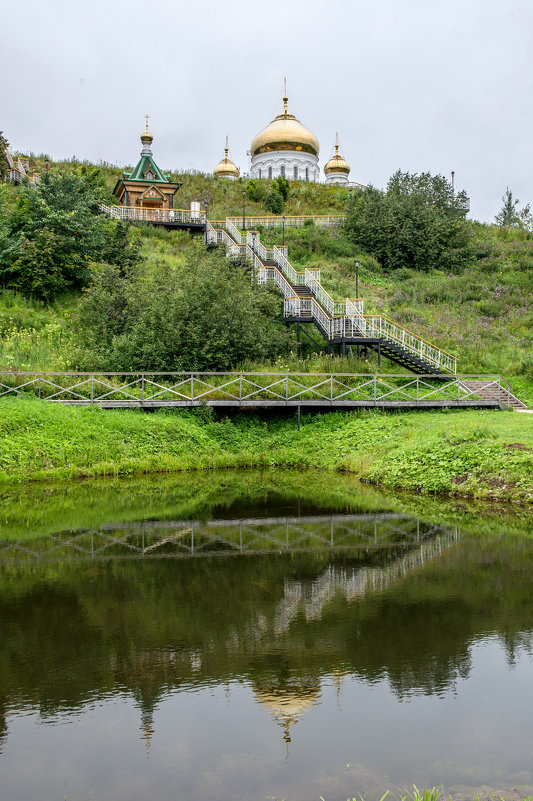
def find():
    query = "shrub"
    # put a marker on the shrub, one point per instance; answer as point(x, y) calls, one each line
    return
point(255, 191)
point(274, 202)
point(207, 316)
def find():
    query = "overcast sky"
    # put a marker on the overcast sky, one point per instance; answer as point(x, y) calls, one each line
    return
point(418, 85)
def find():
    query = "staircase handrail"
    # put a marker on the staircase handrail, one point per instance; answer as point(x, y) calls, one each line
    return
point(234, 231)
point(266, 273)
point(383, 327)
point(254, 240)
point(298, 279)
point(313, 282)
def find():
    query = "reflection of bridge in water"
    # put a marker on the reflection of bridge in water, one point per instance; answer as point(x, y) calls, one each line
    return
point(261, 535)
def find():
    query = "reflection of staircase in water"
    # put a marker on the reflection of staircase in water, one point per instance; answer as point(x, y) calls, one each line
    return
point(353, 583)
point(195, 538)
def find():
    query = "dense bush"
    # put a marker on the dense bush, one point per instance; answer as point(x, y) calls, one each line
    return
point(205, 316)
point(417, 223)
point(255, 190)
point(54, 231)
point(273, 202)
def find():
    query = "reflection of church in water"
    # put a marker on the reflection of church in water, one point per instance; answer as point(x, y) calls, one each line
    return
point(152, 675)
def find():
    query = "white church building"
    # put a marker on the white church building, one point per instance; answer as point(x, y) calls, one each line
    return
point(288, 149)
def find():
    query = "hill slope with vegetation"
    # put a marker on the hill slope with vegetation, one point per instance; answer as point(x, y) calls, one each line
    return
point(77, 285)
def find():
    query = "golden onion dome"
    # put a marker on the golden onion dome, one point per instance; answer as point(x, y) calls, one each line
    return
point(226, 168)
point(336, 162)
point(285, 132)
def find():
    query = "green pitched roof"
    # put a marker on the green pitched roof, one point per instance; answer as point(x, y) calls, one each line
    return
point(144, 165)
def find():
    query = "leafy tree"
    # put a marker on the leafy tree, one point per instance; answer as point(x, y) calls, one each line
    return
point(4, 145)
point(417, 223)
point(55, 231)
point(274, 202)
point(206, 316)
point(255, 190)
point(281, 185)
point(508, 214)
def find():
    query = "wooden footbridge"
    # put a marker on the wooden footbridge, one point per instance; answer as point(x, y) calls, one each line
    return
point(274, 390)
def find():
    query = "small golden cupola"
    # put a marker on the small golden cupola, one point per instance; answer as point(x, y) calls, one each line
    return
point(146, 139)
point(226, 168)
point(337, 169)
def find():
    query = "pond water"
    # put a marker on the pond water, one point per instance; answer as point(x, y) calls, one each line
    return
point(240, 636)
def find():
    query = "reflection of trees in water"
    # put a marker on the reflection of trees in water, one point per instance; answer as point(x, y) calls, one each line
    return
point(405, 612)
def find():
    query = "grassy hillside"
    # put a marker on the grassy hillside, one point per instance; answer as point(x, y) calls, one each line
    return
point(465, 452)
point(224, 197)
point(483, 314)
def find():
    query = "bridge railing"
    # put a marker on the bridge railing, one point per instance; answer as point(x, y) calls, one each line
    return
point(155, 389)
point(322, 220)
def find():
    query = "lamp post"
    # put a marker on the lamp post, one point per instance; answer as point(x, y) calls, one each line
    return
point(357, 278)
point(243, 210)
point(283, 224)
point(206, 207)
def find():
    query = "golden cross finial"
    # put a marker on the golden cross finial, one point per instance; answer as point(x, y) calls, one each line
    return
point(337, 144)
point(226, 149)
point(147, 117)
point(285, 98)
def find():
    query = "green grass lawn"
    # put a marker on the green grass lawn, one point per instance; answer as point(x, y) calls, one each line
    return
point(469, 453)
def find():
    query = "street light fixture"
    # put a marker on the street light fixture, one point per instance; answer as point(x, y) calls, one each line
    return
point(283, 224)
point(243, 210)
point(357, 278)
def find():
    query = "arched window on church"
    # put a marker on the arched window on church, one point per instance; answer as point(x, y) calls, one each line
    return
point(307, 173)
point(260, 172)
point(282, 171)
point(270, 172)
point(296, 173)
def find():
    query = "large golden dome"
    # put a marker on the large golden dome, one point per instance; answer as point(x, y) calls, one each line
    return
point(226, 168)
point(336, 162)
point(285, 132)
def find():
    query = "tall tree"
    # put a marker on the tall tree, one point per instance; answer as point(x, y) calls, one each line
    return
point(55, 231)
point(508, 214)
point(417, 223)
point(4, 166)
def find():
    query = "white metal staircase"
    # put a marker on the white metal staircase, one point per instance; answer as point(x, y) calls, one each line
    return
point(306, 300)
